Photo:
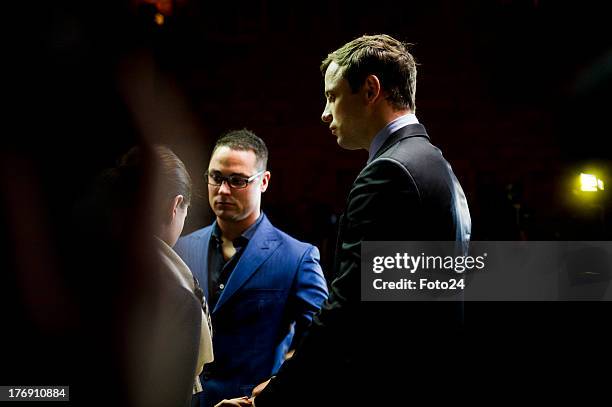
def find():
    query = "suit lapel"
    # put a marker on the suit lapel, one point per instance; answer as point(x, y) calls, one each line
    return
point(264, 242)
point(200, 267)
point(412, 130)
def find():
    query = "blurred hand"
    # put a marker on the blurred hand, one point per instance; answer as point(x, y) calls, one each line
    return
point(259, 388)
point(237, 402)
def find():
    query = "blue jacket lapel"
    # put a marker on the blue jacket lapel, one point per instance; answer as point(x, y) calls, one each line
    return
point(264, 242)
point(200, 266)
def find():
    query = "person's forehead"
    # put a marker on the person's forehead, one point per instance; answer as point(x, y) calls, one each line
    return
point(227, 156)
point(333, 75)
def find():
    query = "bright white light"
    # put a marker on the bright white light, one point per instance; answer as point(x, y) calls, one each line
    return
point(588, 183)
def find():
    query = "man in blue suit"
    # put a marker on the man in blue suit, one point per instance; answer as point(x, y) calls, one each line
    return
point(263, 285)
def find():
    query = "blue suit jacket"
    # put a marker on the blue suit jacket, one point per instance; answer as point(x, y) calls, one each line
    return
point(273, 291)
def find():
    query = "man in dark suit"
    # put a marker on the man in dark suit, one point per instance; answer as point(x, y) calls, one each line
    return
point(263, 285)
point(407, 192)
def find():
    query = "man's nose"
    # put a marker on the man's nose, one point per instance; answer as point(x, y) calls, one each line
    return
point(326, 116)
point(224, 188)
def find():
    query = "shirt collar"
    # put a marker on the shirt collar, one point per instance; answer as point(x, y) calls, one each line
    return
point(244, 237)
point(389, 129)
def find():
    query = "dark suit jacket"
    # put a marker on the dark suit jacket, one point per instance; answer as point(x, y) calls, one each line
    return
point(274, 290)
point(353, 349)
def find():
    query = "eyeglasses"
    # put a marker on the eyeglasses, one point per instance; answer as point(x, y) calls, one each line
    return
point(234, 181)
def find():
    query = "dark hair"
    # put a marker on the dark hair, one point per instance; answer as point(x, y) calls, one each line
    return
point(383, 56)
point(139, 187)
point(171, 176)
point(245, 140)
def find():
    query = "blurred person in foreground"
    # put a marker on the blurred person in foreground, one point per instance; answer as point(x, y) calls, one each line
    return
point(170, 334)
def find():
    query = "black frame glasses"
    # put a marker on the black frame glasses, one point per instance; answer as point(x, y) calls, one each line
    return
point(234, 181)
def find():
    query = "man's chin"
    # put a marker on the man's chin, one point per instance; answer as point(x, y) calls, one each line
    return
point(228, 216)
point(345, 144)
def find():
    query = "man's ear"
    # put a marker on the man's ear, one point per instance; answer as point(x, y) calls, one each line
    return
point(371, 89)
point(265, 179)
point(176, 202)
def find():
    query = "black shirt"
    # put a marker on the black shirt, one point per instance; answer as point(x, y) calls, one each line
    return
point(220, 269)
